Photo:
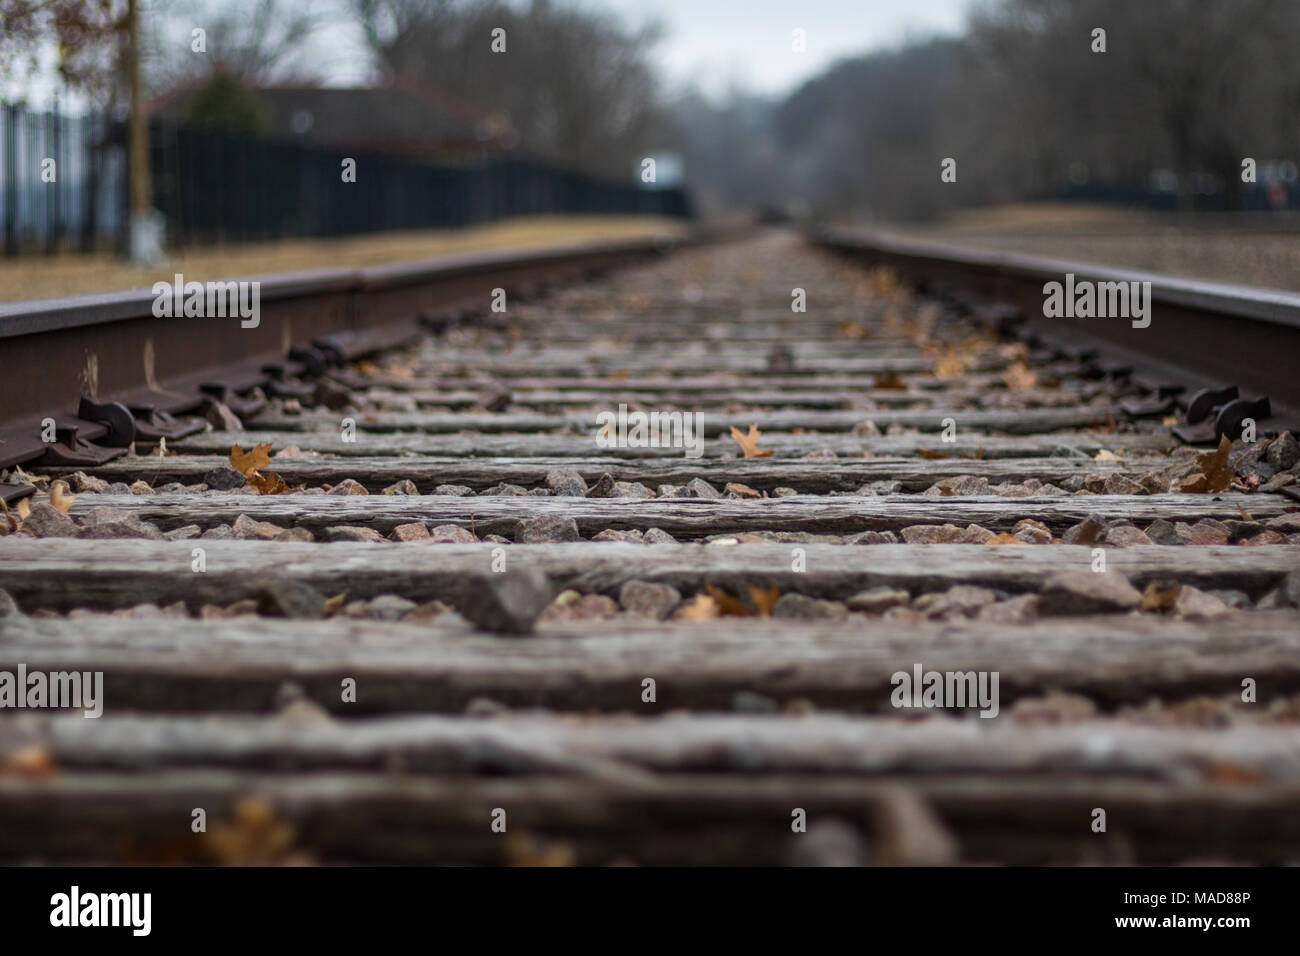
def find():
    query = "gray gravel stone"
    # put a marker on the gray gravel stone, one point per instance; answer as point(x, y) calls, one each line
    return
point(749, 702)
point(1195, 603)
point(456, 491)
point(8, 606)
point(1233, 598)
point(509, 602)
point(1088, 592)
point(829, 843)
point(1090, 530)
point(81, 482)
point(183, 533)
point(248, 529)
point(389, 607)
point(105, 523)
point(284, 598)
point(1018, 610)
point(1161, 531)
point(631, 489)
point(224, 478)
point(873, 537)
point(1283, 452)
point(647, 599)
point(878, 600)
point(545, 529)
point(632, 536)
point(699, 488)
point(349, 486)
point(800, 607)
point(505, 488)
point(1122, 485)
point(566, 482)
point(603, 488)
point(349, 533)
point(47, 521)
point(1286, 594)
point(960, 601)
point(1125, 536)
point(450, 534)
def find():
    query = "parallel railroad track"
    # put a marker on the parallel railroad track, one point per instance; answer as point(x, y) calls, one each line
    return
point(471, 610)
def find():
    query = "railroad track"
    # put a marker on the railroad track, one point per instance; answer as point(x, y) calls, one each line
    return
point(473, 628)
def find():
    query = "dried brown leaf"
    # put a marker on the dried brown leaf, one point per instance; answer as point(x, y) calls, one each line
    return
point(521, 849)
point(1088, 535)
point(60, 498)
point(728, 605)
point(703, 608)
point(256, 837)
point(247, 462)
point(764, 599)
point(889, 380)
point(29, 760)
point(952, 364)
point(749, 442)
point(1104, 455)
point(271, 484)
point(1156, 598)
point(1233, 773)
point(931, 455)
point(1019, 377)
point(1004, 538)
point(1214, 465)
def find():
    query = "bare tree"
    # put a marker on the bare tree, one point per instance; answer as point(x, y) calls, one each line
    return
point(253, 41)
point(1193, 85)
point(88, 35)
point(575, 85)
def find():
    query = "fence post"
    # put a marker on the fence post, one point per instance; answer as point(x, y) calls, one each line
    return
point(11, 178)
point(51, 142)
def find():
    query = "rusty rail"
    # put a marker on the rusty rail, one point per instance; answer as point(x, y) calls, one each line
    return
point(110, 349)
point(1212, 349)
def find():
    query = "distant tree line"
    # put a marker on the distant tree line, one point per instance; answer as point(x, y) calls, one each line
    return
point(1029, 107)
point(575, 85)
point(1025, 101)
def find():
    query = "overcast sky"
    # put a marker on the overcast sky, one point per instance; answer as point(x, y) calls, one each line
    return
point(713, 44)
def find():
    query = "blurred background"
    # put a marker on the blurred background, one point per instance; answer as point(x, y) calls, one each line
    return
point(226, 121)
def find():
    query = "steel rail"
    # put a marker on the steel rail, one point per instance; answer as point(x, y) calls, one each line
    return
point(110, 347)
point(1203, 337)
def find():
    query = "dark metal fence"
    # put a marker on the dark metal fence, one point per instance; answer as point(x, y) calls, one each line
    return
point(214, 187)
point(59, 188)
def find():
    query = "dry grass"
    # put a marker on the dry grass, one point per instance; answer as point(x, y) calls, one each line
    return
point(35, 277)
point(1244, 249)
